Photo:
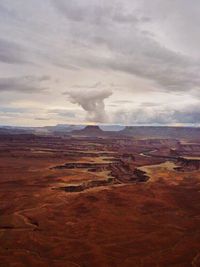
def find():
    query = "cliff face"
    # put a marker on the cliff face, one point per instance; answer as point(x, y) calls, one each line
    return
point(189, 148)
point(188, 164)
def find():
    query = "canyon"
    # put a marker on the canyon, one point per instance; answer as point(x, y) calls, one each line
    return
point(99, 198)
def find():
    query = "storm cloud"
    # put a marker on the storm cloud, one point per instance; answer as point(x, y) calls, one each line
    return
point(127, 61)
point(130, 49)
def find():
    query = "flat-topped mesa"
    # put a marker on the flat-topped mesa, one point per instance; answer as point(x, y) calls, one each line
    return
point(93, 128)
point(89, 130)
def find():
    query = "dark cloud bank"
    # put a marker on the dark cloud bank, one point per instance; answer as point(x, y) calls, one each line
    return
point(141, 39)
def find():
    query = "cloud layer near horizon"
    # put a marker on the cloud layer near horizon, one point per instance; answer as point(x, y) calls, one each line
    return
point(128, 62)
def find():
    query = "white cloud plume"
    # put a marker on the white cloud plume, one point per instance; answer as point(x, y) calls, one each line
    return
point(92, 101)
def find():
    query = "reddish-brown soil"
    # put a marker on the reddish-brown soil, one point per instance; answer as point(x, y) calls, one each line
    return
point(69, 202)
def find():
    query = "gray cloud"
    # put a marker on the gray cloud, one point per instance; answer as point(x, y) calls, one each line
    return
point(63, 113)
point(160, 115)
point(13, 110)
point(143, 116)
point(179, 22)
point(123, 101)
point(189, 114)
point(149, 104)
point(149, 48)
point(99, 13)
point(131, 50)
point(42, 119)
point(11, 53)
point(25, 84)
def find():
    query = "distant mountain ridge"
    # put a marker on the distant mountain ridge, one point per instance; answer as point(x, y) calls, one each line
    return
point(161, 132)
point(138, 132)
point(56, 129)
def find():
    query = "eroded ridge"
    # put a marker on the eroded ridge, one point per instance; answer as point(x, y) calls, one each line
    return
point(121, 170)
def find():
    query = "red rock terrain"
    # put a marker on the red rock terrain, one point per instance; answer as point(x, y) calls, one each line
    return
point(83, 201)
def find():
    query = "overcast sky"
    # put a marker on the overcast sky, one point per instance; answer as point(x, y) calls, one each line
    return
point(99, 61)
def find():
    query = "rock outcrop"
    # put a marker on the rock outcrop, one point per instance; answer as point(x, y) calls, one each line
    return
point(88, 185)
point(187, 164)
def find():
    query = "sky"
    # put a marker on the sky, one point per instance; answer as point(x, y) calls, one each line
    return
point(129, 62)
